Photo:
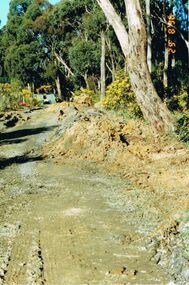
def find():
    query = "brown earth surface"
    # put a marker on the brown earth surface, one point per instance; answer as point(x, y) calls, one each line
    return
point(13, 118)
point(87, 198)
point(148, 159)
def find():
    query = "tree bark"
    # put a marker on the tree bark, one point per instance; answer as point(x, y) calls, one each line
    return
point(103, 66)
point(66, 67)
point(85, 76)
point(149, 36)
point(166, 54)
point(113, 68)
point(133, 44)
point(58, 88)
point(166, 68)
point(173, 61)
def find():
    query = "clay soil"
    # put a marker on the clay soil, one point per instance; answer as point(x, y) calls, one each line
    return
point(90, 199)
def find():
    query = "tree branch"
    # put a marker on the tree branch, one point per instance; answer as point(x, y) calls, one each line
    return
point(66, 67)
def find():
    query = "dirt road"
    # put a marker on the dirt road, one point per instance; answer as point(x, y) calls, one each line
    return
point(68, 223)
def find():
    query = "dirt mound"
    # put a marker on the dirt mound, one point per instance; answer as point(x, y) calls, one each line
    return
point(149, 159)
point(83, 99)
point(88, 134)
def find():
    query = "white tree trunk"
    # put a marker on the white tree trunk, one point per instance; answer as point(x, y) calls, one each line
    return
point(103, 66)
point(116, 23)
point(112, 69)
point(66, 67)
point(166, 61)
point(149, 36)
point(166, 68)
point(85, 76)
point(58, 88)
point(133, 45)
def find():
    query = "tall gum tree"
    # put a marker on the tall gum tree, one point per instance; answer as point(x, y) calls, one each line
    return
point(133, 43)
point(149, 37)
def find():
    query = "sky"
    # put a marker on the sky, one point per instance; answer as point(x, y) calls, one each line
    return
point(4, 8)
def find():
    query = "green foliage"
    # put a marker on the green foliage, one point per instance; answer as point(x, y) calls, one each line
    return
point(119, 95)
point(183, 126)
point(37, 31)
point(179, 100)
point(84, 57)
point(22, 62)
point(9, 97)
point(4, 79)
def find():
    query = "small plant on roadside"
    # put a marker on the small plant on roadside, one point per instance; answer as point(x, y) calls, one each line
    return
point(27, 97)
point(84, 91)
point(89, 93)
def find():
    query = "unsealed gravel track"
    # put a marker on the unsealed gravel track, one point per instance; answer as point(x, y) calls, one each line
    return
point(60, 224)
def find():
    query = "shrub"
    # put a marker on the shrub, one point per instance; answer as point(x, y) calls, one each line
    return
point(180, 100)
point(183, 126)
point(44, 89)
point(91, 93)
point(8, 98)
point(12, 97)
point(119, 95)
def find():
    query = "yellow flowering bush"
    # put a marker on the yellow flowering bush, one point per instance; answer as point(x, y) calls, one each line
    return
point(178, 100)
point(84, 91)
point(13, 97)
point(119, 95)
point(9, 98)
point(44, 89)
point(182, 99)
point(27, 96)
point(87, 92)
point(5, 88)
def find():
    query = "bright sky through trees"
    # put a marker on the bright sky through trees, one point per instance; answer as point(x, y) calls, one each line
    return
point(5, 8)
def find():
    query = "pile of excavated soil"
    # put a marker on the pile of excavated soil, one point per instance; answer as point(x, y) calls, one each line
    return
point(88, 134)
point(154, 163)
point(148, 159)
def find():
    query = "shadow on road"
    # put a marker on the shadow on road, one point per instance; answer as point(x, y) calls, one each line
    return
point(4, 162)
point(24, 133)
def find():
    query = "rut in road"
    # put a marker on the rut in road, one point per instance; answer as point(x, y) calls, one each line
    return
point(63, 224)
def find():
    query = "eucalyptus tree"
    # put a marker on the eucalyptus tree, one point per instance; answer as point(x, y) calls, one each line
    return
point(170, 67)
point(23, 51)
point(84, 59)
point(95, 29)
point(133, 44)
point(2, 52)
point(57, 28)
